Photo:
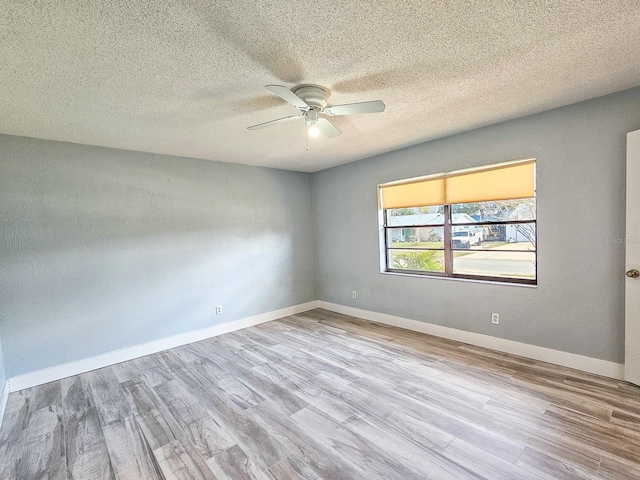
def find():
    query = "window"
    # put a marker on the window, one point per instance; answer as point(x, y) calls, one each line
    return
point(475, 224)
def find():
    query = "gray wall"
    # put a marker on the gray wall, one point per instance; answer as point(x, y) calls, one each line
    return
point(578, 305)
point(103, 249)
point(3, 374)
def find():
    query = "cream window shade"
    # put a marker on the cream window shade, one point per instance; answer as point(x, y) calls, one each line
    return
point(502, 183)
point(505, 182)
point(417, 194)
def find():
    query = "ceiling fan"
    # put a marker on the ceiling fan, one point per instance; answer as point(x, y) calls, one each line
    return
point(311, 100)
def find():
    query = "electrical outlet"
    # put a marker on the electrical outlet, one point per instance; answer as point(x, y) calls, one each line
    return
point(354, 294)
point(495, 318)
point(218, 309)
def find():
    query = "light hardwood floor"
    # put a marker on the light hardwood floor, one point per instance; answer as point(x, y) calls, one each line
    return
point(323, 395)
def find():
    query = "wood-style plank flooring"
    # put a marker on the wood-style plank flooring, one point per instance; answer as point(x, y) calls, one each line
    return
point(323, 395)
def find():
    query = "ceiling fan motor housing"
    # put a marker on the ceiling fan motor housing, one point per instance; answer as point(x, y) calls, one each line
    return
point(314, 95)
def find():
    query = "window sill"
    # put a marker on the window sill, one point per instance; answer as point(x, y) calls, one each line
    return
point(455, 279)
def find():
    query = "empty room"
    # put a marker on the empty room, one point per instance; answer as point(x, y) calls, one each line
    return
point(319, 240)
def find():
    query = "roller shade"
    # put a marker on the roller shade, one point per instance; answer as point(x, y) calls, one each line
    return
point(504, 182)
point(417, 194)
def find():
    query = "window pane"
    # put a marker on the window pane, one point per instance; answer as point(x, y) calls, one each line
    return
point(420, 260)
point(498, 211)
point(496, 263)
point(515, 236)
point(397, 217)
point(417, 237)
point(519, 236)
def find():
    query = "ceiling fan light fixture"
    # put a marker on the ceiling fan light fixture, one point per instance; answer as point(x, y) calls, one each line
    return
point(311, 120)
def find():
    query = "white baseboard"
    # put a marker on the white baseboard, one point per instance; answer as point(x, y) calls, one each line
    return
point(557, 357)
point(65, 370)
point(4, 396)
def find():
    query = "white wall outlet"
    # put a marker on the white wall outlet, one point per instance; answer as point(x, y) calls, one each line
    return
point(354, 294)
point(495, 318)
point(218, 309)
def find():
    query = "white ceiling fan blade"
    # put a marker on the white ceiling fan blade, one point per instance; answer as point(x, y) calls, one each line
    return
point(272, 122)
point(328, 128)
point(288, 96)
point(374, 106)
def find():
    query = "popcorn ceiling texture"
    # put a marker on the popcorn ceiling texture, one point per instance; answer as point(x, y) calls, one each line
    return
point(187, 77)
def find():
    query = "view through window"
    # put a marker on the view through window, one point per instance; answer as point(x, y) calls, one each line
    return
point(478, 224)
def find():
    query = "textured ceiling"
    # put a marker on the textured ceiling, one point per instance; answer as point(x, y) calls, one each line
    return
point(187, 77)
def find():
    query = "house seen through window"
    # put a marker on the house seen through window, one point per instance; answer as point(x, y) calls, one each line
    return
point(474, 224)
